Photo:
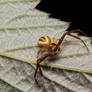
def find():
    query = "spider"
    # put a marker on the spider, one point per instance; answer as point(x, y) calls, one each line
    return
point(50, 48)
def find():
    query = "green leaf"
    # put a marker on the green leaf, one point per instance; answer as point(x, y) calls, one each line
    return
point(21, 25)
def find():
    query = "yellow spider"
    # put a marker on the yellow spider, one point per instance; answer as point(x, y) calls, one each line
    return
point(51, 48)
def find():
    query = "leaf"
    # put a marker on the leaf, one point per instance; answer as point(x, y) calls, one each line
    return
point(21, 25)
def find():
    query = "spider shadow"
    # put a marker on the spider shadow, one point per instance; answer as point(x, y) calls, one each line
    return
point(53, 58)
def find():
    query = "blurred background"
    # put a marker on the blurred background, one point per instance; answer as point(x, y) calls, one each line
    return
point(75, 11)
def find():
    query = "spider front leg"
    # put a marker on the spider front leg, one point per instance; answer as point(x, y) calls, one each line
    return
point(80, 39)
point(38, 67)
point(69, 33)
point(41, 49)
point(53, 40)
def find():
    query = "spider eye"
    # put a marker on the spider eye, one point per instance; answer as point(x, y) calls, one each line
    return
point(44, 41)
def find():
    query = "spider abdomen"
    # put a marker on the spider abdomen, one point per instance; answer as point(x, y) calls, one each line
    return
point(44, 41)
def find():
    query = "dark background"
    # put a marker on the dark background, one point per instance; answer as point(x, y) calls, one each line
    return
point(76, 12)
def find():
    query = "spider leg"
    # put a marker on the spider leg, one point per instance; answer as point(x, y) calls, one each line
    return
point(41, 49)
point(53, 40)
point(61, 39)
point(79, 39)
point(35, 75)
point(37, 66)
point(44, 53)
point(43, 74)
point(69, 33)
point(57, 40)
point(77, 31)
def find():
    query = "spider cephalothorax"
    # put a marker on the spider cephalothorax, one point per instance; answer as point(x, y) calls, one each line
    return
point(51, 48)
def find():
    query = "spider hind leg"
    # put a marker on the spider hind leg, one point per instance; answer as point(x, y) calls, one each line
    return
point(38, 67)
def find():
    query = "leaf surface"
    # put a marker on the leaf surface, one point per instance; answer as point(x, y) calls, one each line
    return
point(21, 25)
